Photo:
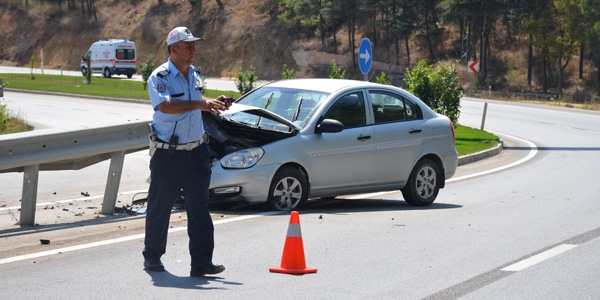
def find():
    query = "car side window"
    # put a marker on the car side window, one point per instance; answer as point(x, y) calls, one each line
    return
point(348, 109)
point(389, 107)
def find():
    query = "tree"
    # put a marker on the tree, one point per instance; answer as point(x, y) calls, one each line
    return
point(591, 13)
point(537, 26)
point(313, 15)
point(349, 11)
point(568, 35)
point(427, 25)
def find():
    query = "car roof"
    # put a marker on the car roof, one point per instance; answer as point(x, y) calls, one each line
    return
point(326, 85)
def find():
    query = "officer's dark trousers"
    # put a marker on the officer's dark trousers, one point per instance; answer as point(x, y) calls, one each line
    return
point(191, 171)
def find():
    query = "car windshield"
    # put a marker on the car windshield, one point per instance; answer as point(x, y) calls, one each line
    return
point(295, 105)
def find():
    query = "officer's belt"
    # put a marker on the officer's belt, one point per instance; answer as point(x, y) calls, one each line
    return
point(188, 146)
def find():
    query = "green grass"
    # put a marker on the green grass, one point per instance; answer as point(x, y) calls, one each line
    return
point(468, 140)
point(471, 140)
point(105, 87)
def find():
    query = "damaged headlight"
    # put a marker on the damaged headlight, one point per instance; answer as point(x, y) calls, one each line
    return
point(242, 159)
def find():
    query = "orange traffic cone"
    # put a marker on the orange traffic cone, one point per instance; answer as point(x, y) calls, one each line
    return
point(292, 261)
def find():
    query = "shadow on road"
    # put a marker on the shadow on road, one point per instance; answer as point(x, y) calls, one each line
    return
point(166, 279)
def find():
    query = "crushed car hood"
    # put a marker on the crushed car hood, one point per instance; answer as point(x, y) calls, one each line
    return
point(226, 136)
point(258, 112)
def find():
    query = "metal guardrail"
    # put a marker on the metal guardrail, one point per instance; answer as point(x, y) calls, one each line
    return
point(70, 149)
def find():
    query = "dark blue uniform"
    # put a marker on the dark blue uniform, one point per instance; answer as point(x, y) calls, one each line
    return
point(184, 168)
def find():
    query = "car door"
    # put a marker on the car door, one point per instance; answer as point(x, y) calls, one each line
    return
point(343, 160)
point(397, 135)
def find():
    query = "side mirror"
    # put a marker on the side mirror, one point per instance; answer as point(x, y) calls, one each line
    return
point(329, 126)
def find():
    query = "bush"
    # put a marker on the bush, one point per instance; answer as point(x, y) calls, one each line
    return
point(11, 124)
point(382, 79)
point(336, 72)
point(438, 87)
point(287, 73)
point(246, 80)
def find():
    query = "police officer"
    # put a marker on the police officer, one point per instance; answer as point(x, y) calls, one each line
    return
point(180, 156)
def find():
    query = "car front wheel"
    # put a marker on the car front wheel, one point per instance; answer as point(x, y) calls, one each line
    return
point(106, 73)
point(423, 186)
point(288, 190)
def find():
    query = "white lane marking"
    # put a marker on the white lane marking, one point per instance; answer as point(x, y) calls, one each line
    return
point(533, 152)
point(119, 240)
point(536, 259)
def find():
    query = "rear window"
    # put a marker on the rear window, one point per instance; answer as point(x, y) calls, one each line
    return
point(127, 54)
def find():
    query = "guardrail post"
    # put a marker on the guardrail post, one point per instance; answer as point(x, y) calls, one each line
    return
point(112, 183)
point(29, 196)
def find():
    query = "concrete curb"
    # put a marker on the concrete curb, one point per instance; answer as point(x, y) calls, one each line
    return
point(467, 159)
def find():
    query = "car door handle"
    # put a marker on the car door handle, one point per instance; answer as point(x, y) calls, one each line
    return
point(363, 137)
point(414, 130)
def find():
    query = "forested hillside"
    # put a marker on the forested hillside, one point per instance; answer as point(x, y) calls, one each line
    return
point(522, 46)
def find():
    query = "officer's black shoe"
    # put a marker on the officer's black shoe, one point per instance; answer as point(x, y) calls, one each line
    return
point(153, 264)
point(211, 270)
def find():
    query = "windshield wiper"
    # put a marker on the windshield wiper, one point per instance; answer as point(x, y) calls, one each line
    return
point(297, 110)
point(269, 101)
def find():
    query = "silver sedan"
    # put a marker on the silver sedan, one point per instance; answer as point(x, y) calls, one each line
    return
point(292, 140)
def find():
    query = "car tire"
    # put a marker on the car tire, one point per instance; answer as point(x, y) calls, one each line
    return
point(423, 184)
point(288, 190)
point(129, 76)
point(106, 73)
point(84, 71)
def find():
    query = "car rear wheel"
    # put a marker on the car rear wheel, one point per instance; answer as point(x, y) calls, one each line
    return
point(423, 185)
point(288, 190)
point(106, 73)
point(84, 71)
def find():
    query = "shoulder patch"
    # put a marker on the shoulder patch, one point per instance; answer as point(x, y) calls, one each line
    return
point(163, 73)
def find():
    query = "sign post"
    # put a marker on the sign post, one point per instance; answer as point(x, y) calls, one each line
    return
point(365, 57)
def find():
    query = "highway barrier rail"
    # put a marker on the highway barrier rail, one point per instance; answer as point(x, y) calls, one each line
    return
point(70, 149)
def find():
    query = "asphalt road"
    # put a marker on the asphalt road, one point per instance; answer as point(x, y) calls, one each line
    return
point(520, 225)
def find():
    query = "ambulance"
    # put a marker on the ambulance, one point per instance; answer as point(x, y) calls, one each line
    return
point(111, 57)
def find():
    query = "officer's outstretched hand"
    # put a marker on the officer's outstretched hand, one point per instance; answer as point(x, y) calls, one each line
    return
point(222, 103)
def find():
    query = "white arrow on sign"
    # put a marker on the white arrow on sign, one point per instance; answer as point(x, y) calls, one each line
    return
point(366, 56)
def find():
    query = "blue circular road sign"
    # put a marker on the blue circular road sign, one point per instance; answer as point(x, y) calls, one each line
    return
point(365, 56)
